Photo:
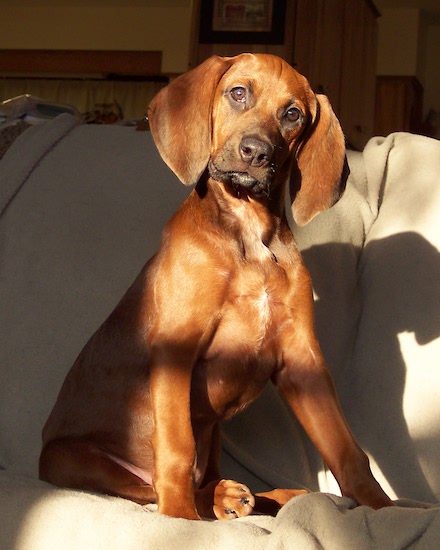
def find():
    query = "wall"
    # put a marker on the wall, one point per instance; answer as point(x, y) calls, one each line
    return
point(409, 45)
point(432, 76)
point(100, 25)
point(398, 42)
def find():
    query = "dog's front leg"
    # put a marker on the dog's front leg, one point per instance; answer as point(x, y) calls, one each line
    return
point(173, 439)
point(308, 387)
point(221, 498)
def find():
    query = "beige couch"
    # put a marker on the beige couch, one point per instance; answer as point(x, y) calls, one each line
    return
point(81, 209)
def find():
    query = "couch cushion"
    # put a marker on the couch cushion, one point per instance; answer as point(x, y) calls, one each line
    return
point(89, 207)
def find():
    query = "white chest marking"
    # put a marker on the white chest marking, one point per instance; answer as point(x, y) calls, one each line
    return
point(252, 231)
point(262, 303)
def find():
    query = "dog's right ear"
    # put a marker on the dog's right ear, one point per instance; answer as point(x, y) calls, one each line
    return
point(321, 171)
point(180, 119)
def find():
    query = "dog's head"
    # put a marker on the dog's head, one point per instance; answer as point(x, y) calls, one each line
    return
point(254, 122)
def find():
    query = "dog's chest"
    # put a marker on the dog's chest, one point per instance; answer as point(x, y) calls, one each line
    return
point(245, 349)
point(256, 304)
point(260, 290)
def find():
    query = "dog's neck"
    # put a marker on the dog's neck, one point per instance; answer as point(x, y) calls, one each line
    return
point(254, 223)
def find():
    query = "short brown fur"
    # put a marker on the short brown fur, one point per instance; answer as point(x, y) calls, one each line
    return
point(224, 306)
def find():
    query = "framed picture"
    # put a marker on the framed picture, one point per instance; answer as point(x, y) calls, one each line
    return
point(242, 21)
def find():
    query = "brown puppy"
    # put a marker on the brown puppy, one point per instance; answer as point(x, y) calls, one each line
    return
point(224, 305)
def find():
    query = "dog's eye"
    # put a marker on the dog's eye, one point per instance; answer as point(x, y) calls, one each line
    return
point(239, 94)
point(293, 114)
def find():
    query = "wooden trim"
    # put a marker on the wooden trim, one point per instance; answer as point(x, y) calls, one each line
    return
point(139, 63)
point(399, 105)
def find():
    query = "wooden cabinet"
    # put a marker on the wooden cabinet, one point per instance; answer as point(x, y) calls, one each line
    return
point(319, 45)
point(358, 72)
point(333, 43)
point(335, 46)
point(399, 105)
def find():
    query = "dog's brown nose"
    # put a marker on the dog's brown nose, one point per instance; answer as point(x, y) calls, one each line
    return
point(255, 152)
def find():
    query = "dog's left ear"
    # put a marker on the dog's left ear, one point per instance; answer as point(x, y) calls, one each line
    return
point(317, 180)
point(180, 119)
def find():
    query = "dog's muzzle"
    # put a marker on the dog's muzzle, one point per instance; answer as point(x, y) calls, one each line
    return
point(250, 167)
point(243, 180)
point(255, 152)
point(248, 182)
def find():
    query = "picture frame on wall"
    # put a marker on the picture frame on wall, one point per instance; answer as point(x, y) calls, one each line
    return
point(242, 21)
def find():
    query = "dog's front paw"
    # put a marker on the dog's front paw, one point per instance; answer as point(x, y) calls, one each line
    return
point(232, 500)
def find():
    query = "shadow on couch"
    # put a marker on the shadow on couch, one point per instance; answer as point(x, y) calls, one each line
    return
point(365, 300)
point(399, 280)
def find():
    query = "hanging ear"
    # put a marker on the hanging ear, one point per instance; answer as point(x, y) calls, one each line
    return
point(318, 178)
point(180, 119)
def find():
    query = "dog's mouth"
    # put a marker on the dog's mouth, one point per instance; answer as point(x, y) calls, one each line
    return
point(242, 181)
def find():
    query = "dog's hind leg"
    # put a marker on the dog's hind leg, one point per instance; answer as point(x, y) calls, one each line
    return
point(81, 464)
